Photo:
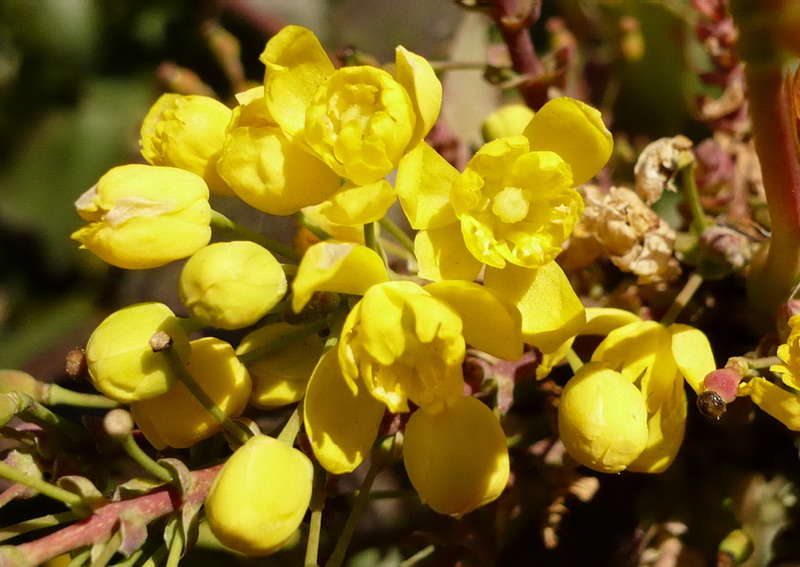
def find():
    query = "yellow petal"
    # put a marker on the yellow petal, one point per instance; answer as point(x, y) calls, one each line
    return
point(665, 428)
point(456, 458)
point(442, 255)
point(280, 377)
point(341, 425)
point(551, 312)
point(693, 354)
point(341, 267)
point(508, 120)
point(602, 418)
point(358, 204)
point(423, 185)
point(417, 76)
point(296, 67)
point(491, 324)
point(576, 132)
point(603, 320)
point(779, 403)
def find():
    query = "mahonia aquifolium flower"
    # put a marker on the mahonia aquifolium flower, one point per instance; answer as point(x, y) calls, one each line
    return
point(260, 496)
point(230, 285)
point(264, 168)
point(510, 210)
point(176, 418)
point(280, 377)
point(120, 360)
point(359, 120)
point(653, 359)
point(187, 132)
point(779, 402)
point(143, 216)
point(508, 120)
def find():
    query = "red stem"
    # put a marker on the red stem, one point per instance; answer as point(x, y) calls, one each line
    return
point(513, 18)
point(104, 521)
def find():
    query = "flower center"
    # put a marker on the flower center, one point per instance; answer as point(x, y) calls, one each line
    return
point(510, 205)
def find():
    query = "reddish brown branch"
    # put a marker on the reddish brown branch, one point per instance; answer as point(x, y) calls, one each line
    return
point(513, 18)
point(101, 525)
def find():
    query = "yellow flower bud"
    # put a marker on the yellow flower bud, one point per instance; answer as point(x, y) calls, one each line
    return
point(143, 216)
point(121, 363)
point(508, 120)
point(456, 457)
point(231, 285)
point(187, 132)
point(602, 418)
point(260, 496)
point(280, 377)
point(176, 418)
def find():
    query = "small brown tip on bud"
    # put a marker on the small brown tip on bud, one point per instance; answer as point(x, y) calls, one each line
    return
point(76, 363)
point(160, 341)
point(118, 423)
point(711, 404)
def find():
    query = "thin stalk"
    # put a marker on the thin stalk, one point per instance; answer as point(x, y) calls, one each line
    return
point(143, 459)
point(50, 490)
point(34, 524)
point(221, 222)
point(692, 195)
point(574, 361)
point(292, 427)
point(278, 343)
point(311, 227)
point(441, 66)
point(336, 323)
point(378, 459)
point(682, 299)
point(108, 551)
point(240, 434)
point(760, 363)
point(81, 558)
point(315, 523)
point(397, 233)
point(175, 549)
point(419, 556)
point(57, 395)
point(371, 241)
point(31, 410)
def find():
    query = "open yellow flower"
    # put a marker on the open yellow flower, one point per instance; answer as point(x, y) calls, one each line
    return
point(789, 353)
point(510, 210)
point(359, 120)
point(144, 216)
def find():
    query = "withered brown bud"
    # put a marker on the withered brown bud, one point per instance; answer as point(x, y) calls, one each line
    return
point(75, 366)
point(723, 251)
point(711, 404)
point(658, 166)
point(160, 341)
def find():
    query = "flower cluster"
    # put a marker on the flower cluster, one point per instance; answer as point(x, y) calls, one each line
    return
point(350, 339)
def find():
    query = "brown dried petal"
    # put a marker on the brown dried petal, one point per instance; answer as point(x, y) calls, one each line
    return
point(658, 165)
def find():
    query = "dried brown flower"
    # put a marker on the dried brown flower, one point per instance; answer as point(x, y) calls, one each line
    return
point(659, 164)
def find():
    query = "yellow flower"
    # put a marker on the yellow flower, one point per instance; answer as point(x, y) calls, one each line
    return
point(789, 353)
point(265, 169)
point(602, 418)
point(356, 205)
point(510, 210)
point(456, 456)
point(340, 267)
point(176, 418)
point(231, 285)
point(358, 120)
point(280, 377)
point(260, 496)
point(120, 360)
point(143, 216)
point(403, 344)
point(187, 132)
point(508, 120)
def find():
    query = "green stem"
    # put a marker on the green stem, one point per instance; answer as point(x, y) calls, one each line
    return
point(240, 434)
point(34, 524)
point(337, 320)
point(682, 299)
point(57, 395)
point(50, 490)
point(29, 409)
point(760, 363)
point(311, 227)
point(175, 549)
point(692, 196)
point(574, 361)
point(419, 556)
point(379, 455)
point(278, 343)
point(81, 558)
point(143, 459)
point(398, 234)
point(292, 427)
point(221, 222)
point(315, 523)
point(440, 66)
point(108, 551)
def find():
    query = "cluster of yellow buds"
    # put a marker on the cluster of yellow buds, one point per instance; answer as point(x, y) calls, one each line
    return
point(323, 140)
